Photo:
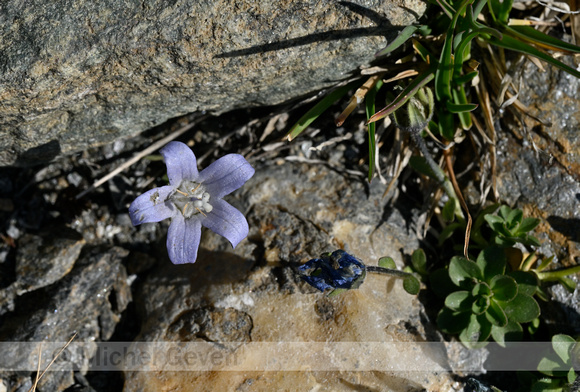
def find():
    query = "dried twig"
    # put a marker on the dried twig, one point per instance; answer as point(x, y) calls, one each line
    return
point(155, 146)
point(33, 387)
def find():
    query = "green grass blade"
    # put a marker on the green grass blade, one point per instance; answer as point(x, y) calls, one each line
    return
point(402, 38)
point(534, 36)
point(318, 109)
point(460, 98)
point(447, 8)
point(370, 109)
point(460, 107)
point(445, 70)
point(509, 42)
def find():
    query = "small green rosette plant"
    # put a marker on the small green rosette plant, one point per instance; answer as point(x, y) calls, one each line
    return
point(485, 301)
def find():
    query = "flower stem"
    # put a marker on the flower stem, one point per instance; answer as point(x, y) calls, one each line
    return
point(386, 271)
point(555, 275)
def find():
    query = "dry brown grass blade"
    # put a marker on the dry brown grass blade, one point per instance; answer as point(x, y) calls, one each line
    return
point(485, 104)
point(358, 97)
point(38, 378)
point(448, 154)
point(155, 146)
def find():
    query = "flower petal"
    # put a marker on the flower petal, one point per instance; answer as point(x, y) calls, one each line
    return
point(180, 161)
point(227, 221)
point(226, 175)
point(151, 206)
point(183, 239)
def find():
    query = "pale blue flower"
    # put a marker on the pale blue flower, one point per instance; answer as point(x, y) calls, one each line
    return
point(194, 199)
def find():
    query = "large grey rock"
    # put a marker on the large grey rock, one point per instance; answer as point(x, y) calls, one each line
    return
point(76, 73)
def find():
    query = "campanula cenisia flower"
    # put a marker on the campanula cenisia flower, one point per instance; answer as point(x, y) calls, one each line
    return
point(336, 270)
point(194, 199)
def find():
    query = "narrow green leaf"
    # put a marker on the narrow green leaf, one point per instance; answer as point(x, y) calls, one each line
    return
point(568, 283)
point(402, 38)
point(462, 79)
point(519, 46)
point(447, 125)
point(448, 212)
point(370, 109)
point(459, 108)
point(461, 99)
point(535, 36)
point(318, 109)
point(445, 68)
point(447, 8)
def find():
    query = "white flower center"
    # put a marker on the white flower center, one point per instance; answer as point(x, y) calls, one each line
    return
point(191, 199)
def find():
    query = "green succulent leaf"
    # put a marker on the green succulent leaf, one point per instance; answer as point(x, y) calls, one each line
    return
point(459, 301)
point(462, 272)
point(496, 315)
point(480, 305)
point(528, 224)
point(452, 322)
point(504, 288)
point(387, 262)
point(550, 366)
point(512, 331)
point(521, 309)
point(481, 289)
point(562, 344)
point(477, 331)
point(504, 212)
point(548, 385)
point(492, 261)
point(514, 219)
point(411, 285)
point(527, 282)
point(419, 261)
